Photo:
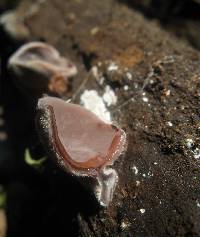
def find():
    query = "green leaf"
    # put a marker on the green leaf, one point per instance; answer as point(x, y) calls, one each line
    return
point(30, 161)
point(2, 197)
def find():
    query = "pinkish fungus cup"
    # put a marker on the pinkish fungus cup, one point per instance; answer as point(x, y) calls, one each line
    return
point(39, 68)
point(83, 144)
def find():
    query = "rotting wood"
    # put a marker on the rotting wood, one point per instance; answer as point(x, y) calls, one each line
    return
point(156, 82)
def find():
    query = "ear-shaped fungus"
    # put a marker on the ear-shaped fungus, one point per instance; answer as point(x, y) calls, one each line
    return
point(83, 144)
point(38, 68)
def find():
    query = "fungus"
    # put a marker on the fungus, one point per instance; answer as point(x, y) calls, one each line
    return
point(38, 68)
point(13, 24)
point(83, 144)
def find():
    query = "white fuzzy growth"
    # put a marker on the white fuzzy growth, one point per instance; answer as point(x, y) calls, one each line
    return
point(145, 99)
point(142, 210)
point(170, 124)
point(126, 87)
point(112, 67)
point(95, 71)
point(107, 181)
point(189, 143)
point(196, 153)
point(129, 76)
point(109, 96)
point(101, 80)
point(168, 92)
point(124, 225)
point(93, 102)
point(135, 169)
point(137, 183)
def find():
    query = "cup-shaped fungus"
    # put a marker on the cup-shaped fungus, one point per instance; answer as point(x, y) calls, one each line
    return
point(39, 68)
point(83, 144)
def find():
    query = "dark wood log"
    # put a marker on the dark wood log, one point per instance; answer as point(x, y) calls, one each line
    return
point(156, 80)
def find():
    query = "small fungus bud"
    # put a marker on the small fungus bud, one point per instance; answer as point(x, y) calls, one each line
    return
point(39, 68)
point(83, 144)
point(13, 24)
